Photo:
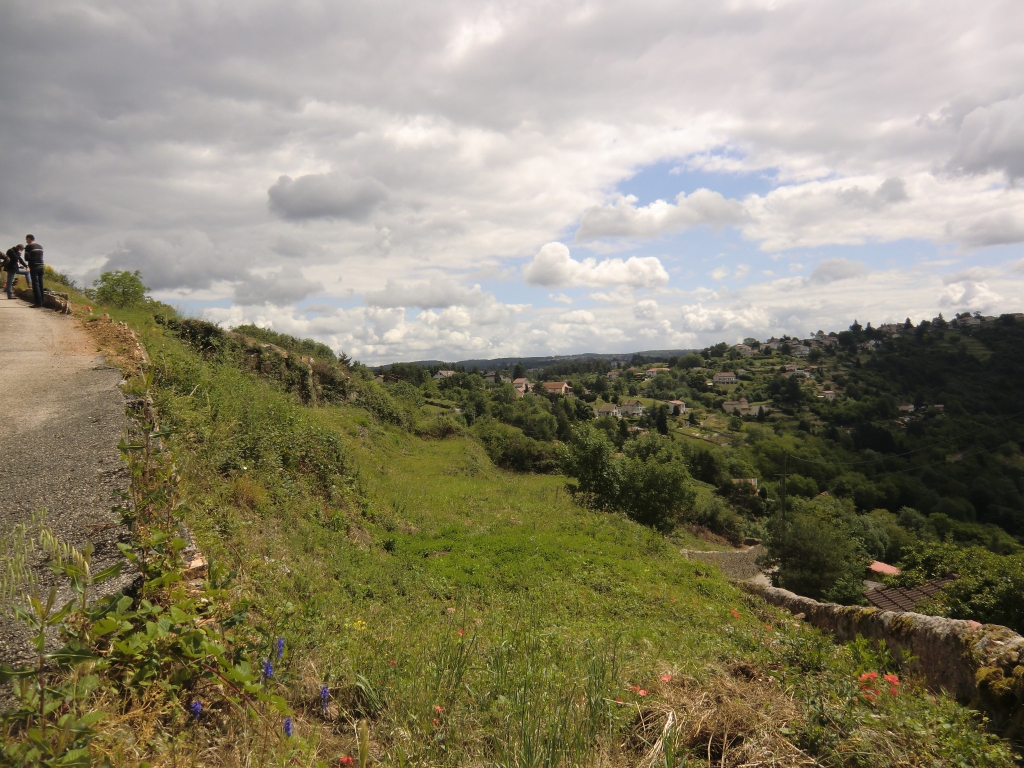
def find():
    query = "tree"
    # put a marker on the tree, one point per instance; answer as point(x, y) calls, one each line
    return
point(519, 372)
point(661, 420)
point(120, 289)
point(816, 551)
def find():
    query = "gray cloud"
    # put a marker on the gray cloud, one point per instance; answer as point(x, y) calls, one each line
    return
point(831, 270)
point(190, 260)
point(995, 229)
point(325, 196)
point(991, 138)
point(435, 293)
point(280, 288)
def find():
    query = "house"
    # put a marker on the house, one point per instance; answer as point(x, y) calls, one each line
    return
point(799, 350)
point(609, 409)
point(789, 368)
point(744, 350)
point(613, 374)
point(492, 377)
point(632, 409)
point(906, 407)
point(557, 388)
point(741, 407)
point(828, 394)
point(883, 569)
point(939, 407)
point(725, 377)
point(904, 599)
point(522, 385)
point(442, 375)
point(650, 373)
point(750, 483)
point(677, 407)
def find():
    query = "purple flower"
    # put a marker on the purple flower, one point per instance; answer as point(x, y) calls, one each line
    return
point(324, 693)
point(280, 647)
point(196, 708)
point(268, 669)
point(287, 726)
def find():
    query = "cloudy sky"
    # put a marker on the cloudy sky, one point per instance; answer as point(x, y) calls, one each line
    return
point(447, 179)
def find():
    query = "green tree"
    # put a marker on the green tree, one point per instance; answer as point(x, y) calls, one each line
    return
point(817, 553)
point(120, 289)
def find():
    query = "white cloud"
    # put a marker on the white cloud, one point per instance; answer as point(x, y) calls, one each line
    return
point(719, 273)
point(561, 298)
point(623, 219)
point(553, 265)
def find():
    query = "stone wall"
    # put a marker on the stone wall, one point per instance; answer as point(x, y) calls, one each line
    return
point(982, 665)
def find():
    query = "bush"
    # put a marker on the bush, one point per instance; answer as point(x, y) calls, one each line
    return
point(506, 446)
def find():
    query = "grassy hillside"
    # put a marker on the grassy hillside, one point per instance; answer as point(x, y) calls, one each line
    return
point(466, 614)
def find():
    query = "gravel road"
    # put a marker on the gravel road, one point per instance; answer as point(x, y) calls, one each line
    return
point(63, 418)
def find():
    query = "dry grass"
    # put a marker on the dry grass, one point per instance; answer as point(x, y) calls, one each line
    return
point(736, 719)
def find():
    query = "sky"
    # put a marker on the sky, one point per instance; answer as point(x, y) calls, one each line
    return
point(450, 180)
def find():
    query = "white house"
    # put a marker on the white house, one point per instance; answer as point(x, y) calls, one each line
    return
point(799, 350)
point(631, 408)
point(906, 407)
point(609, 409)
point(744, 350)
point(650, 373)
point(725, 377)
point(522, 385)
point(677, 407)
point(443, 375)
point(828, 394)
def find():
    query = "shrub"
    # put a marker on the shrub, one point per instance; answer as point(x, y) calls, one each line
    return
point(506, 446)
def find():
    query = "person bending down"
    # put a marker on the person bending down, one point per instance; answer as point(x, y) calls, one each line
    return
point(15, 266)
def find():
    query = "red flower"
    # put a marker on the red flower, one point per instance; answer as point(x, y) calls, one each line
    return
point(462, 632)
point(892, 679)
point(666, 678)
point(618, 699)
point(868, 677)
point(393, 663)
point(735, 613)
point(435, 721)
point(641, 692)
point(634, 688)
point(672, 599)
point(894, 691)
point(438, 708)
point(768, 627)
point(346, 760)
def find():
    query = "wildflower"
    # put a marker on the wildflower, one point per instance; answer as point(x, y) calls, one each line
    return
point(268, 669)
point(641, 692)
point(634, 688)
point(393, 663)
point(892, 679)
point(618, 699)
point(346, 760)
point(287, 726)
point(280, 647)
point(450, 610)
point(768, 627)
point(435, 721)
point(462, 632)
point(735, 613)
point(868, 677)
point(196, 708)
point(438, 708)
point(666, 678)
point(324, 693)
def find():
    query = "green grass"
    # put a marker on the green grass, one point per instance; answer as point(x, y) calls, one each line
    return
point(478, 617)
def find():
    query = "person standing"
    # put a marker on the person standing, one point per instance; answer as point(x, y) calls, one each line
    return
point(34, 257)
point(15, 266)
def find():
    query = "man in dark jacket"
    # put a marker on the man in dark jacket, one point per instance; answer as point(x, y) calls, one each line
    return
point(15, 266)
point(34, 257)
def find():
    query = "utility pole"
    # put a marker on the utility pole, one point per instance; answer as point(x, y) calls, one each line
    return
point(783, 476)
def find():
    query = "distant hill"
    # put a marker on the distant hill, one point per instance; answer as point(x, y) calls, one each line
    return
point(543, 362)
